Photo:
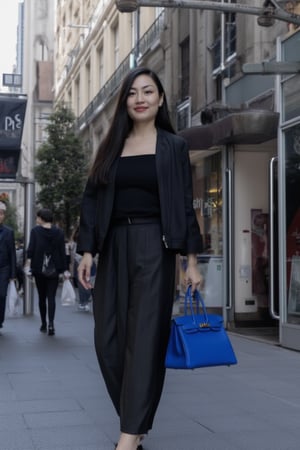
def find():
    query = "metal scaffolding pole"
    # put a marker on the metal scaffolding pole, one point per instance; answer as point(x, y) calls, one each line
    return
point(28, 224)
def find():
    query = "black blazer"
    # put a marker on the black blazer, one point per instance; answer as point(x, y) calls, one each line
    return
point(180, 229)
point(8, 250)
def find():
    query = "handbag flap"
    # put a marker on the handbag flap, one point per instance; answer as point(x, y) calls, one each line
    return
point(188, 324)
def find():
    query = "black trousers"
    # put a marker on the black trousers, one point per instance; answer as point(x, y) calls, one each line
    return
point(133, 298)
point(46, 288)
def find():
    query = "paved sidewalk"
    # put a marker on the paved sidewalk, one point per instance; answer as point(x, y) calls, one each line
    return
point(52, 396)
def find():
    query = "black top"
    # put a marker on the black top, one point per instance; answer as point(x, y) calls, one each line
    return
point(136, 188)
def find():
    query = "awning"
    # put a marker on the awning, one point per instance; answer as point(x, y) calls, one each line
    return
point(243, 127)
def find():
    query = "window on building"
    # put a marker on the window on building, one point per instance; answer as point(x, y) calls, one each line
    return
point(185, 68)
point(77, 96)
point(70, 13)
point(88, 81)
point(63, 37)
point(158, 11)
point(41, 51)
point(100, 65)
point(224, 45)
point(183, 114)
point(116, 45)
point(223, 51)
point(69, 98)
point(219, 87)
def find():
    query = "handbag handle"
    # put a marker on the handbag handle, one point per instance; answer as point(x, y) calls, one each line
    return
point(188, 301)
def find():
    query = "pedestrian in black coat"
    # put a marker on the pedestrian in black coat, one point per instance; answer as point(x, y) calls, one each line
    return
point(46, 242)
point(7, 260)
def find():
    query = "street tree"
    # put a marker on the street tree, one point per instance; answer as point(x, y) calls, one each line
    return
point(61, 168)
point(11, 219)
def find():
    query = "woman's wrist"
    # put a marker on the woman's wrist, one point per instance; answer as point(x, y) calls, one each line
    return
point(192, 260)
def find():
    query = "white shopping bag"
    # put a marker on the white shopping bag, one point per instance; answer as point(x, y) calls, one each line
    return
point(13, 300)
point(68, 295)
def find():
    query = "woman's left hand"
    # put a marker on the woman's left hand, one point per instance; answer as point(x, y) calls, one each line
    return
point(193, 277)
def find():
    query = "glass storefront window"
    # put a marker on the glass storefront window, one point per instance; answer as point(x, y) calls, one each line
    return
point(291, 98)
point(207, 187)
point(290, 47)
point(292, 182)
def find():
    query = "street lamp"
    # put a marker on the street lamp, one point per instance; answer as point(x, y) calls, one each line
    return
point(127, 6)
point(267, 14)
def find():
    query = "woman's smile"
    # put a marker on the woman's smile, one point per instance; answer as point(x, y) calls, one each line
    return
point(140, 108)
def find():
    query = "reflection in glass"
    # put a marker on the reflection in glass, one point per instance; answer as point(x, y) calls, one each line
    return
point(207, 187)
point(291, 98)
point(292, 180)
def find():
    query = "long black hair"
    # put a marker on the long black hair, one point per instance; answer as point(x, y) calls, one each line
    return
point(121, 125)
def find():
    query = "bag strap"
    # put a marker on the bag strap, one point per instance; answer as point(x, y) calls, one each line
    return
point(188, 301)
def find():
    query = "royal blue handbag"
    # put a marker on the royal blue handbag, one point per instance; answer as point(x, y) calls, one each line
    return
point(198, 340)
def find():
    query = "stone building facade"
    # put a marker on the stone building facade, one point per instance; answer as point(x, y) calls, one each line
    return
point(231, 120)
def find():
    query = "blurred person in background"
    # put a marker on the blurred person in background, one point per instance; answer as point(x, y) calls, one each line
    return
point(20, 266)
point(85, 295)
point(7, 260)
point(46, 241)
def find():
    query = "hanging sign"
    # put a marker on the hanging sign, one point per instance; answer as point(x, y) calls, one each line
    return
point(12, 115)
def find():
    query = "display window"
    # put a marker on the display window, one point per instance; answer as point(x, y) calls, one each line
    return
point(207, 189)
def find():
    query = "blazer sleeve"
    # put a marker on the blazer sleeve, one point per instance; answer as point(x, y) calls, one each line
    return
point(194, 241)
point(87, 225)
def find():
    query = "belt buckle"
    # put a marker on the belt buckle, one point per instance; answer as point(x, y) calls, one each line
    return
point(129, 220)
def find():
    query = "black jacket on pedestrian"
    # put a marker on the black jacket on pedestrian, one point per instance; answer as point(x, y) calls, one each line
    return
point(7, 250)
point(47, 240)
point(180, 229)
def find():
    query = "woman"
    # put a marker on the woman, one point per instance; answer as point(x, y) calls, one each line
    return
point(137, 212)
point(46, 244)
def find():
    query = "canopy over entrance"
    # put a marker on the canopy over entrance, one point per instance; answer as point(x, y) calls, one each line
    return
point(243, 127)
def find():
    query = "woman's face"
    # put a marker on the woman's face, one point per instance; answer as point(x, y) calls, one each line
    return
point(143, 100)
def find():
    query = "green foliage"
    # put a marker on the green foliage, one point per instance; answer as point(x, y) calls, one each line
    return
point(10, 214)
point(61, 169)
point(11, 219)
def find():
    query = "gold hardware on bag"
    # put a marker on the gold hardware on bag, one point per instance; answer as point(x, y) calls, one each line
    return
point(204, 325)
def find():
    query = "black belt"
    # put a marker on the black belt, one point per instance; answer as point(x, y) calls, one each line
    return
point(135, 220)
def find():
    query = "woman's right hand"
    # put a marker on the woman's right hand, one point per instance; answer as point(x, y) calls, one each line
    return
point(84, 270)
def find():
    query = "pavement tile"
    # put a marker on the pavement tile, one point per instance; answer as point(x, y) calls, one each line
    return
point(52, 396)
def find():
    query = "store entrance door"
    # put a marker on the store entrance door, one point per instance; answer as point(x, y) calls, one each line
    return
point(254, 237)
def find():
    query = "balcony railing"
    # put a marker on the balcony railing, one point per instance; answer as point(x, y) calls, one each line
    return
point(111, 86)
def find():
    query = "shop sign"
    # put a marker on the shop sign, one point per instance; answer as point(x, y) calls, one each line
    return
point(12, 115)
